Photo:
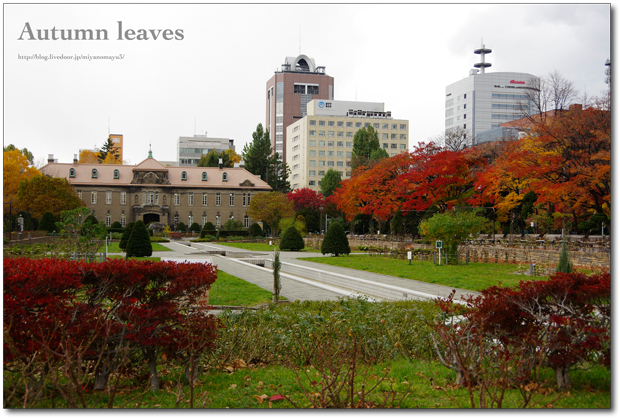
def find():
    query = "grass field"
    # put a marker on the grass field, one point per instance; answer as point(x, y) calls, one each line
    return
point(473, 276)
point(113, 247)
point(233, 291)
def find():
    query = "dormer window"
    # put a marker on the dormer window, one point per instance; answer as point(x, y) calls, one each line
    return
point(72, 172)
point(94, 173)
point(116, 173)
point(184, 175)
point(225, 177)
point(204, 176)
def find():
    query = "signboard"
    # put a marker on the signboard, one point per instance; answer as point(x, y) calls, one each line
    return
point(439, 244)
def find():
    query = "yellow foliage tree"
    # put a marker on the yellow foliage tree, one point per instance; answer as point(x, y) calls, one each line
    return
point(88, 157)
point(111, 159)
point(16, 168)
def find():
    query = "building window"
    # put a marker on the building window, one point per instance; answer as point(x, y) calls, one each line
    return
point(340, 134)
point(330, 163)
point(321, 163)
point(313, 89)
point(321, 123)
point(321, 174)
point(117, 173)
point(295, 177)
point(312, 143)
point(358, 124)
point(177, 199)
point(246, 221)
point(108, 198)
point(321, 133)
point(218, 221)
point(330, 133)
point(312, 183)
point(312, 122)
point(330, 153)
point(394, 146)
point(375, 125)
point(190, 199)
point(403, 136)
point(385, 145)
point(312, 173)
point(449, 102)
point(72, 172)
point(349, 154)
point(330, 143)
point(249, 198)
point(464, 126)
point(225, 177)
point(123, 198)
point(340, 154)
point(330, 123)
point(296, 147)
point(150, 199)
point(108, 220)
point(123, 220)
point(465, 96)
point(464, 106)
point(204, 176)
point(312, 133)
point(384, 136)
point(94, 173)
point(204, 220)
point(312, 163)
point(93, 198)
point(349, 134)
point(204, 199)
point(465, 116)
point(296, 167)
point(231, 202)
point(190, 220)
point(349, 124)
point(340, 124)
point(218, 199)
point(79, 194)
point(385, 126)
point(321, 143)
point(184, 175)
point(299, 89)
point(403, 146)
point(295, 157)
point(312, 153)
point(245, 203)
point(340, 144)
point(340, 164)
point(403, 126)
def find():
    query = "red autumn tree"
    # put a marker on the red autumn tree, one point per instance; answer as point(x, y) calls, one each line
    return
point(438, 177)
point(567, 316)
point(305, 199)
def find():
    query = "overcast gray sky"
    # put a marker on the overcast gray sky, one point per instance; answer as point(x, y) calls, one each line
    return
point(214, 79)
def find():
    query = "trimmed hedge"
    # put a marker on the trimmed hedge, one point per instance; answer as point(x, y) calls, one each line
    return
point(224, 234)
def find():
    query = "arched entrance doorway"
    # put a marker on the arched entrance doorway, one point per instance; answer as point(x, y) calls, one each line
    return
point(150, 217)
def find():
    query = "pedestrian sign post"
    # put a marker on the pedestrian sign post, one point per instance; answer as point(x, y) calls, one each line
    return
point(439, 246)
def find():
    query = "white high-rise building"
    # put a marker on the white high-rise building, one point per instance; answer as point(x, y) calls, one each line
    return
point(483, 100)
point(323, 138)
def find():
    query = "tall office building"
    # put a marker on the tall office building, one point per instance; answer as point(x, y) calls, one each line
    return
point(323, 139)
point(288, 93)
point(483, 100)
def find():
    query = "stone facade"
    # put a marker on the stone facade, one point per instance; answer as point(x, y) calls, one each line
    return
point(152, 192)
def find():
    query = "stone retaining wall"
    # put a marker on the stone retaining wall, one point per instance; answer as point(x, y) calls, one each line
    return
point(526, 255)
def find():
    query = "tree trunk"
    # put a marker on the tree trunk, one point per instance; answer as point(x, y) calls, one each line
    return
point(195, 372)
point(102, 376)
point(561, 375)
point(152, 357)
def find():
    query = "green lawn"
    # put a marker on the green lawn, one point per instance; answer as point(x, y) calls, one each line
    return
point(474, 276)
point(233, 291)
point(113, 247)
point(258, 246)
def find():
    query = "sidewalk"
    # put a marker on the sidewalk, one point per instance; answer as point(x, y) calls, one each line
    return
point(293, 287)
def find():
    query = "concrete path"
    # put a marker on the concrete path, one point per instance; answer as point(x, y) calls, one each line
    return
point(294, 287)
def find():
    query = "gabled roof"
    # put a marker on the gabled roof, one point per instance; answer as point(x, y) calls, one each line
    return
point(236, 177)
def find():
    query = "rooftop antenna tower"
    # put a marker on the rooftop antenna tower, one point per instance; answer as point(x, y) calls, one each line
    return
point(482, 51)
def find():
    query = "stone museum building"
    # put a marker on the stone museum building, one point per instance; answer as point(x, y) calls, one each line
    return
point(152, 192)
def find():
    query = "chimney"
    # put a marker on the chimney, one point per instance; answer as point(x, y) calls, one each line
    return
point(241, 164)
point(75, 159)
point(50, 158)
point(575, 107)
point(221, 164)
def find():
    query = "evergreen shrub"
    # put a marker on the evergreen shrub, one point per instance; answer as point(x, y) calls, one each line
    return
point(292, 240)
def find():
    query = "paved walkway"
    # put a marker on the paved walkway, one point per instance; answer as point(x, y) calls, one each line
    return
point(293, 288)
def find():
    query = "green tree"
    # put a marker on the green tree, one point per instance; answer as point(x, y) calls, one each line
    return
point(257, 155)
point(194, 227)
point(270, 208)
point(292, 240)
point(86, 235)
point(48, 222)
point(126, 235)
point(181, 227)
point(139, 244)
point(300, 224)
point(210, 159)
point(564, 264)
point(108, 148)
point(260, 160)
point(256, 230)
point(336, 241)
point(208, 227)
point(366, 148)
point(116, 225)
point(330, 182)
point(233, 225)
point(452, 228)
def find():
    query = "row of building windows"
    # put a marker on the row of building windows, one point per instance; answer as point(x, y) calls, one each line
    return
point(94, 174)
point(152, 198)
point(190, 220)
point(507, 116)
point(312, 163)
point(509, 96)
point(312, 173)
point(384, 135)
point(340, 124)
point(340, 154)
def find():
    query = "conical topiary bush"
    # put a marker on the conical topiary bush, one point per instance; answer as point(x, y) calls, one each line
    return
point(292, 240)
point(336, 241)
point(126, 235)
point(139, 244)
